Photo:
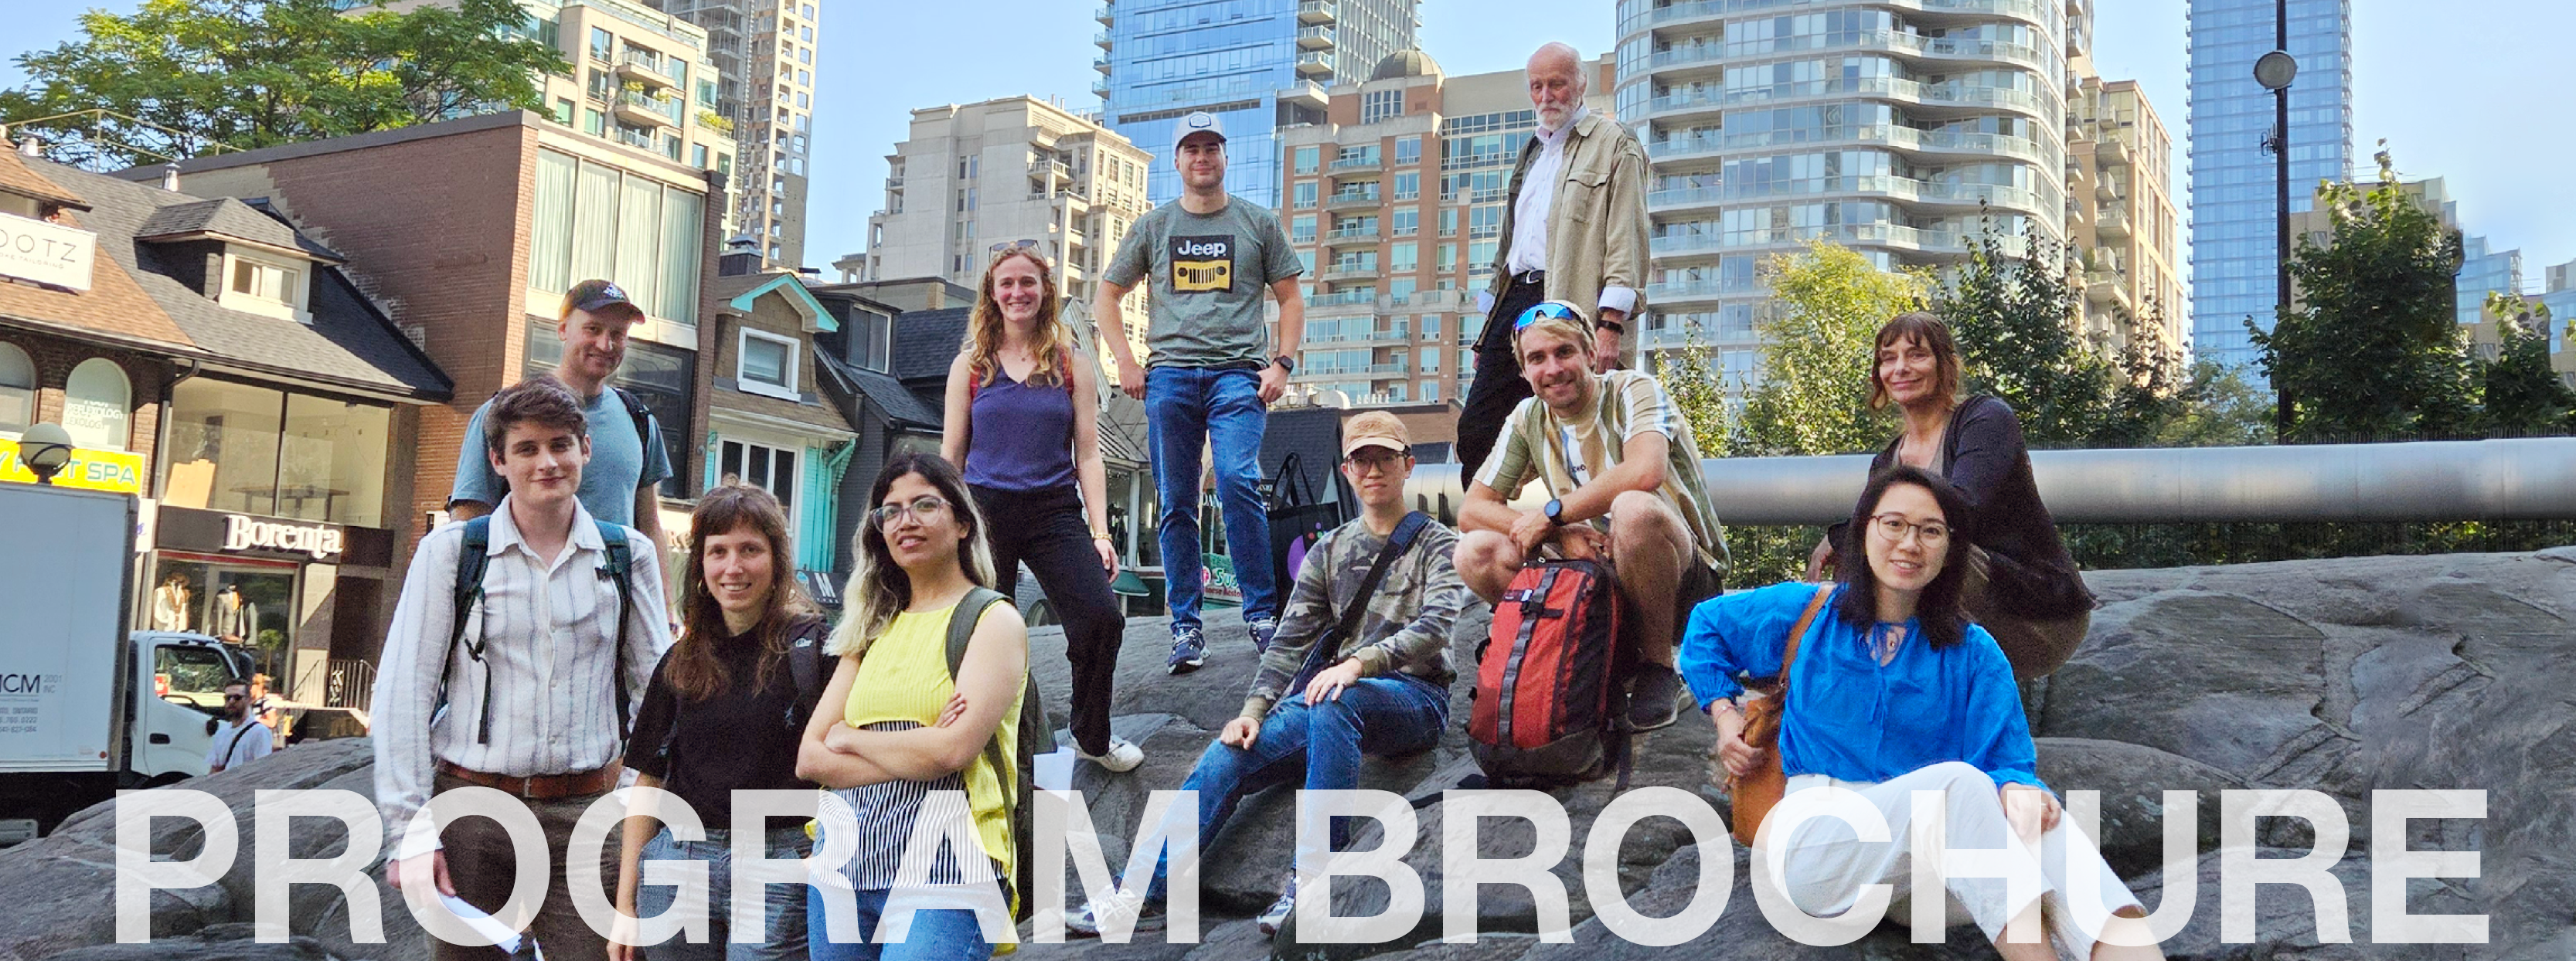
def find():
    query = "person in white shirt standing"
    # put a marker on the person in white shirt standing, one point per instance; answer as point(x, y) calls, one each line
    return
point(1574, 230)
point(243, 738)
point(539, 679)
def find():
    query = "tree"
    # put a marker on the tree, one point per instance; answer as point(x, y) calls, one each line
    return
point(2017, 319)
point(1827, 306)
point(2521, 396)
point(2217, 407)
point(178, 78)
point(2373, 350)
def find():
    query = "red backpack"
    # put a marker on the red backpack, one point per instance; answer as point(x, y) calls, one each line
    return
point(1546, 706)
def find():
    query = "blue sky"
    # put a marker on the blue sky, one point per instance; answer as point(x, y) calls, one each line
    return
point(2459, 96)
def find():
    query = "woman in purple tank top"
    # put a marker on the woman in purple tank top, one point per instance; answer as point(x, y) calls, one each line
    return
point(1023, 426)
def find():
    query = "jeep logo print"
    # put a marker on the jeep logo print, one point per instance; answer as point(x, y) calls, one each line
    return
point(1202, 264)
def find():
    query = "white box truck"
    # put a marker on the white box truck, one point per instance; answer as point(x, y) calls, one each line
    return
point(87, 706)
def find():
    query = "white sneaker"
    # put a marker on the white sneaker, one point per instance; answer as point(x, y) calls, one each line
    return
point(1276, 917)
point(1123, 756)
point(1121, 907)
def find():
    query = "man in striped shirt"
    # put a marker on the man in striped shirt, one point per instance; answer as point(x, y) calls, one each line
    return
point(1618, 465)
point(529, 705)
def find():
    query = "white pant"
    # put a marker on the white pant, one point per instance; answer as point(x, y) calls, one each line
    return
point(1827, 863)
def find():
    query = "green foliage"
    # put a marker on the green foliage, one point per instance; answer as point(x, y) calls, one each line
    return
point(2374, 350)
point(2522, 396)
point(1828, 303)
point(2017, 316)
point(2217, 407)
point(183, 77)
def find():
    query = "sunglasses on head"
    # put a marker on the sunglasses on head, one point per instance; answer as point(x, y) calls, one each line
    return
point(1548, 309)
point(1008, 246)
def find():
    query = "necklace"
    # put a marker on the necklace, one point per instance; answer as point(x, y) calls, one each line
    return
point(1893, 637)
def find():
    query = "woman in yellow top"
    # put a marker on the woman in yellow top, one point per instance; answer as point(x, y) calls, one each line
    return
point(888, 752)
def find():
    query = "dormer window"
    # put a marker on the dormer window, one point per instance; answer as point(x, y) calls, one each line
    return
point(261, 284)
point(767, 365)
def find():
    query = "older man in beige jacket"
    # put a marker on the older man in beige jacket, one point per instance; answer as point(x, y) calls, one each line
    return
point(1575, 230)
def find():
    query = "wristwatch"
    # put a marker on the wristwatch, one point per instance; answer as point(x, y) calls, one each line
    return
point(1555, 511)
point(1285, 363)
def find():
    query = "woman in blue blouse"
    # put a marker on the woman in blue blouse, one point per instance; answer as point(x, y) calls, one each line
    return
point(1893, 692)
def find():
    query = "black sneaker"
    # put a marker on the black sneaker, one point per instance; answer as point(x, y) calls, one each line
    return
point(1654, 697)
point(1189, 650)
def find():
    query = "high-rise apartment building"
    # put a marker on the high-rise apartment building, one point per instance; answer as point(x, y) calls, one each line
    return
point(1256, 64)
point(640, 77)
point(2234, 249)
point(2120, 213)
point(1897, 132)
point(972, 180)
point(765, 58)
point(1395, 204)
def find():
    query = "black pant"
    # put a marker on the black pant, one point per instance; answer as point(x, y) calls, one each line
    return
point(1046, 530)
point(1498, 386)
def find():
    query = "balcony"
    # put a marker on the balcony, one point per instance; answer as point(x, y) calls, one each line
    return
point(644, 67)
point(2114, 225)
point(1674, 15)
point(1339, 299)
point(1366, 233)
point(2111, 153)
point(1681, 198)
point(1107, 14)
point(1306, 93)
point(1315, 65)
point(1318, 11)
point(1101, 63)
point(1100, 87)
point(1682, 244)
point(1100, 40)
point(1693, 55)
point(646, 109)
point(1341, 201)
point(1348, 270)
point(1687, 102)
point(1366, 161)
point(1684, 148)
point(1050, 170)
point(1661, 294)
point(2105, 287)
point(1315, 38)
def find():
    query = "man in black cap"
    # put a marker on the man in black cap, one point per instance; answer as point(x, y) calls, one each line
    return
point(627, 458)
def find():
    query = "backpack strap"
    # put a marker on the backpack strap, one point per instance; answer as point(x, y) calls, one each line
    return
point(1397, 543)
point(642, 415)
point(472, 558)
point(805, 667)
point(617, 565)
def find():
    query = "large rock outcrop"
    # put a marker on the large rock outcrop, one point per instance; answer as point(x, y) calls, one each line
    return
point(2341, 676)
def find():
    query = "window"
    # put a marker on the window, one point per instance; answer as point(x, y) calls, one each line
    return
point(805, 77)
point(1406, 222)
point(1431, 359)
point(594, 123)
point(97, 402)
point(593, 221)
point(17, 388)
point(563, 111)
point(767, 365)
point(262, 285)
point(1431, 329)
point(871, 340)
point(1401, 258)
point(1430, 390)
point(1408, 150)
point(601, 43)
point(1301, 229)
point(1304, 193)
point(1377, 105)
point(769, 468)
point(1308, 158)
point(1408, 186)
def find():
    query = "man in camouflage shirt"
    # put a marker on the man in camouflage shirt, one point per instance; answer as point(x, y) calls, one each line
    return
point(1383, 691)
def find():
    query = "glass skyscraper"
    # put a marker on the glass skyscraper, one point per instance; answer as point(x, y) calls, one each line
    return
point(1256, 64)
point(2234, 252)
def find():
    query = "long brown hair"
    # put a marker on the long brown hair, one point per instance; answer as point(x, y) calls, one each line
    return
point(986, 331)
point(1938, 608)
point(1920, 327)
point(878, 588)
point(693, 669)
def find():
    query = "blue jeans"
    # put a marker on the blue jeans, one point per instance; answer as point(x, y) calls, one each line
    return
point(1186, 409)
point(783, 914)
point(1394, 714)
point(934, 935)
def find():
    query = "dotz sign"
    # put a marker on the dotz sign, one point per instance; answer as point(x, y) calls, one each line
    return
point(226, 532)
point(46, 253)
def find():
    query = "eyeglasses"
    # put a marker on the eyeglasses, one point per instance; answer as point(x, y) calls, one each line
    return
point(1552, 310)
point(923, 509)
point(232, 697)
point(1375, 460)
point(1892, 527)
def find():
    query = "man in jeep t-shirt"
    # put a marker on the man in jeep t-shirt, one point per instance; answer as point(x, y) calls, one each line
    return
point(1211, 257)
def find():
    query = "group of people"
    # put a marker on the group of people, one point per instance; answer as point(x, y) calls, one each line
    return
point(530, 651)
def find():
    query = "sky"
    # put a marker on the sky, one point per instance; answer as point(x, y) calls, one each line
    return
point(2455, 96)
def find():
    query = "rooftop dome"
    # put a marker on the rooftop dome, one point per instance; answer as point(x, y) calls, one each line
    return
point(1406, 63)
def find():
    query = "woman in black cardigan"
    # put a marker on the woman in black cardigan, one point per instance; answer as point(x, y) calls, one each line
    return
point(2022, 584)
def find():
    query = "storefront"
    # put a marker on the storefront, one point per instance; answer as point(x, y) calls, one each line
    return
point(272, 532)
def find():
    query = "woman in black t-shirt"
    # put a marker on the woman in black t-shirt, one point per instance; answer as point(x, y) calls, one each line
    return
point(724, 713)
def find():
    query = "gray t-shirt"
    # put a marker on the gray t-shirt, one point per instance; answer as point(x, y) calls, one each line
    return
point(620, 462)
point(1210, 274)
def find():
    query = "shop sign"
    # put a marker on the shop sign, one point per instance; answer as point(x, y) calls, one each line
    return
point(90, 469)
point(46, 253)
point(226, 532)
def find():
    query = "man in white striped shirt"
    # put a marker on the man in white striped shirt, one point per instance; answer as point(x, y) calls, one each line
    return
point(530, 684)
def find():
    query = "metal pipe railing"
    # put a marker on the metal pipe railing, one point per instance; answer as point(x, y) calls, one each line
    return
point(2519, 479)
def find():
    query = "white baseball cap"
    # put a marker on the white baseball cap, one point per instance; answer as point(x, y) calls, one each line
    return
point(1198, 122)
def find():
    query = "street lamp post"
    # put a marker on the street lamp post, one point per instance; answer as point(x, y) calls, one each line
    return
point(2274, 71)
point(45, 448)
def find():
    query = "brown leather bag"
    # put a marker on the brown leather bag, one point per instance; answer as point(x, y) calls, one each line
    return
point(1753, 795)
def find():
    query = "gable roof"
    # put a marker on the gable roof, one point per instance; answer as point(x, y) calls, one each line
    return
point(740, 291)
point(17, 178)
point(898, 404)
point(228, 219)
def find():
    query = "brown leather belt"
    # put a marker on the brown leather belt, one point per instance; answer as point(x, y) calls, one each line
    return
point(542, 787)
